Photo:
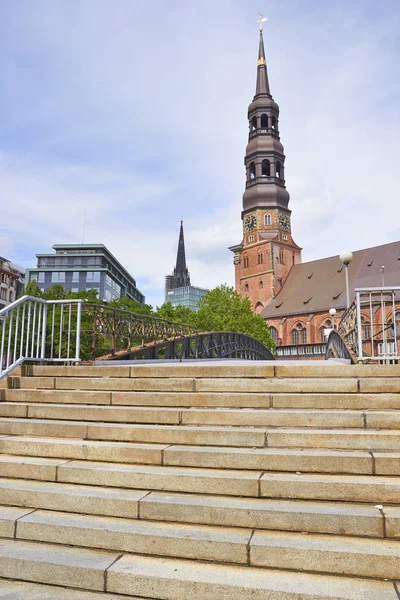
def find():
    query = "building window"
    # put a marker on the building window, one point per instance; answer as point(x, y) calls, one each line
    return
point(61, 277)
point(246, 287)
point(278, 169)
point(254, 123)
point(295, 337)
point(284, 236)
point(75, 277)
point(251, 238)
point(274, 334)
point(260, 257)
point(245, 262)
point(252, 170)
point(266, 168)
point(264, 121)
point(41, 277)
point(304, 336)
point(261, 285)
point(75, 290)
point(267, 219)
point(33, 277)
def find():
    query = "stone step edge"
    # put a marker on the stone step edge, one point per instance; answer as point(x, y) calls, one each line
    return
point(15, 588)
point(132, 574)
point(191, 529)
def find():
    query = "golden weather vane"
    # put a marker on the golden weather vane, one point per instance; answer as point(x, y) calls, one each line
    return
point(262, 20)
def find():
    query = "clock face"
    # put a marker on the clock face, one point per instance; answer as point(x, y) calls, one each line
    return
point(284, 222)
point(250, 223)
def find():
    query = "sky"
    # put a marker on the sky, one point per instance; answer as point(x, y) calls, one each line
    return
point(120, 118)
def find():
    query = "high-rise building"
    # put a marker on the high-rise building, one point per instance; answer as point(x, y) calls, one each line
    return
point(267, 251)
point(178, 290)
point(79, 267)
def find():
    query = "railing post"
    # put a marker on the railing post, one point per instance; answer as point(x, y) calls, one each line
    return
point(359, 328)
point(44, 331)
point(78, 332)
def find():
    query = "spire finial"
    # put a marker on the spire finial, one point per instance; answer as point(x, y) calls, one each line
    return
point(262, 20)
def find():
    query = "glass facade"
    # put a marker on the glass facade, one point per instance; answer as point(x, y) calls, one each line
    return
point(187, 296)
point(78, 267)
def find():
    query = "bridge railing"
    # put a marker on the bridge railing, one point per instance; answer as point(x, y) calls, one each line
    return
point(380, 307)
point(32, 329)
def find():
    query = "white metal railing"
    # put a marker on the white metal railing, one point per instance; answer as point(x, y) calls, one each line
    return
point(36, 329)
point(381, 305)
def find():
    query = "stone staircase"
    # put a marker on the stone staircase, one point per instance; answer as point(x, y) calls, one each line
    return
point(217, 481)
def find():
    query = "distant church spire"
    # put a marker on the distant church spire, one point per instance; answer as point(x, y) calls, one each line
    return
point(180, 276)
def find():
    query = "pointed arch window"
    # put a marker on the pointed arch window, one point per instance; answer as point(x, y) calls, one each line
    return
point(245, 261)
point(264, 121)
point(252, 170)
point(274, 333)
point(267, 219)
point(278, 169)
point(266, 168)
point(261, 285)
point(254, 124)
point(260, 258)
point(246, 287)
point(295, 337)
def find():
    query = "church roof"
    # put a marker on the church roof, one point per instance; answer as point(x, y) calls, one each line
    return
point(319, 285)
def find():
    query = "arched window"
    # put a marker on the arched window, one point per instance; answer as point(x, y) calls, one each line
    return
point(266, 168)
point(273, 122)
point(278, 169)
point(295, 337)
point(259, 308)
point(267, 219)
point(322, 334)
point(254, 123)
point(246, 287)
point(281, 256)
point(304, 336)
point(264, 121)
point(245, 261)
point(261, 285)
point(252, 170)
point(260, 258)
point(274, 334)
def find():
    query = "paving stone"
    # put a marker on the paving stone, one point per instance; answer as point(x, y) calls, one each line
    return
point(57, 565)
point(145, 537)
point(285, 515)
point(70, 498)
point(189, 580)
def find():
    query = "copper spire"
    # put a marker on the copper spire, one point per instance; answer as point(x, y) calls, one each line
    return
point(262, 75)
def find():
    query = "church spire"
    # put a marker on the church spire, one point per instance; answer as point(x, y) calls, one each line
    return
point(262, 74)
point(180, 277)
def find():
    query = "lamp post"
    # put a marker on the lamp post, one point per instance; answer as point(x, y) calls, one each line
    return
point(346, 257)
point(332, 312)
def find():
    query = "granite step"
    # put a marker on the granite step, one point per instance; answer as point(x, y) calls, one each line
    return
point(175, 579)
point(21, 590)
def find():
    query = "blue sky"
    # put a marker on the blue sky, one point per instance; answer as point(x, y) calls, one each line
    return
point(134, 113)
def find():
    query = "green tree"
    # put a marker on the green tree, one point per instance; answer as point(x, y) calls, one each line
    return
point(32, 289)
point(178, 314)
point(132, 306)
point(223, 309)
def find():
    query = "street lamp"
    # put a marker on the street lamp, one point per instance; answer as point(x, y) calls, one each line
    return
point(346, 257)
point(332, 312)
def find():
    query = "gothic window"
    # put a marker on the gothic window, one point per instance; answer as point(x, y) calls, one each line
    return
point(273, 122)
point(278, 169)
point(274, 334)
point(304, 336)
point(264, 121)
point(281, 256)
point(259, 307)
point(252, 170)
point(295, 337)
point(266, 168)
point(260, 257)
point(246, 287)
point(254, 123)
point(261, 285)
point(267, 219)
point(245, 261)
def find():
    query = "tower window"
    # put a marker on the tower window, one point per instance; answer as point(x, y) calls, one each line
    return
point(261, 285)
point(278, 169)
point(264, 121)
point(266, 168)
point(281, 256)
point(245, 262)
point(273, 122)
point(267, 219)
point(284, 236)
point(254, 123)
point(250, 238)
point(260, 258)
point(246, 287)
point(252, 170)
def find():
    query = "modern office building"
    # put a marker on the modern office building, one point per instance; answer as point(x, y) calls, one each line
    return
point(11, 281)
point(79, 267)
point(178, 290)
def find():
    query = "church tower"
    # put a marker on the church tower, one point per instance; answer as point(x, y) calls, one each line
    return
point(180, 276)
point(267, 252)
